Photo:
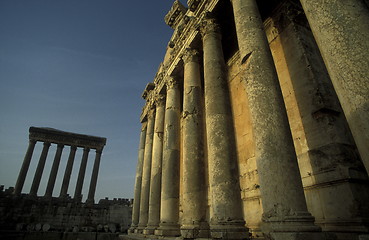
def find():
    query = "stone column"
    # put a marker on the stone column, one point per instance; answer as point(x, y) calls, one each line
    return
point(146, 172)
point(54, 171)
point(25, 166)
point(138, 182)
point(193, 179)
point(169, 209)
point(95, 173)
point(285, 213)
point(155, 181)
point(226, 220)
point(68, 172)
point(39, 170)
point(341, 30)
point(81, 175)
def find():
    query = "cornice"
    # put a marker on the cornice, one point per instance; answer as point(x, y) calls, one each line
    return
point(175, 15)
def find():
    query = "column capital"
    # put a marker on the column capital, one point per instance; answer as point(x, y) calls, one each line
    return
point(209, 25)
point(171, 83)
point(73, 148)
point(86, 149)
point(99, 150)
point(151, 112)
point(159, 100)
point(47, 144)
point(190, 55)
point(60, 145)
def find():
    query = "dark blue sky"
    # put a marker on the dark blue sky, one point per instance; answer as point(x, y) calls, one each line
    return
point(79, 66)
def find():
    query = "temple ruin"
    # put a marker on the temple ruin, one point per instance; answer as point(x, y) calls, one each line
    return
point(43, 216)
point(256, 124)
point(53, 136)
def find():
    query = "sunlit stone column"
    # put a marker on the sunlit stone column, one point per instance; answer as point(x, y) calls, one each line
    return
point(95, 173)
point(81, 175)
point(54, 171)
point(341, 30)
point(25, 166)
point(157, 153)
point(169, 210)
point(138, 181)
point(193, 180)
point(285, 213)
point(39, 170)
point(146, 172)
point(68, 172)
point(226, 220)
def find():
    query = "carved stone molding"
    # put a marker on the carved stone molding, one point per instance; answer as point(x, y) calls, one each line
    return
point(175, 14)
point(193, 4)
point(190, 55)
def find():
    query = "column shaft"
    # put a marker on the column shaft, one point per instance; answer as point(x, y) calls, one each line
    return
point(226, 215)
point(68, 172)
point(39, 170)
point(155, 181)
point(281, 189)
point(95, 173)
point(193, 178)
point(146, 172)
point(138, 181)
point(25, 166)
point(341, 30)
point(81, 175)
point(169, 210)
point(54, 171)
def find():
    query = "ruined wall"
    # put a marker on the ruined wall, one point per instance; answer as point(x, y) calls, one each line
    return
point(29, 215)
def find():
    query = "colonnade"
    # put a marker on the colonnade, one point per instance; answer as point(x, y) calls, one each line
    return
point(61, 139)
point(188, 157)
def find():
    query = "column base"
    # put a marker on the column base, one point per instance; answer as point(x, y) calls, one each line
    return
point(300, 222)
point(140, 229)
point(150, 230)
point(195, 231)
point(229, 230)
point(90, 201)
point(131, 230)
point(168, 230)
point(296, 236)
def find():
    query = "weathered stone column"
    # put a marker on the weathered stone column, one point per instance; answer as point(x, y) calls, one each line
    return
point(146, 172)
point(157, 153)
point(95, 173)
point(25, 166)
point(341, 30)
point(39, 170)
point(68, 172)
point(169, 209)
point(81, 175)
point(193, 180)
point(285, 213)
point(226, 215)
point(54, 171)
point(138, 181)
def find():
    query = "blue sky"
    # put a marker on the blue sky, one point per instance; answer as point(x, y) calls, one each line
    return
point(78, 66)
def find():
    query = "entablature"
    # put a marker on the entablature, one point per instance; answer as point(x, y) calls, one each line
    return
point(175, 15)
point(56, 136)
